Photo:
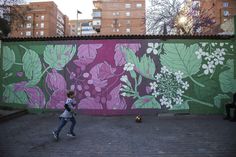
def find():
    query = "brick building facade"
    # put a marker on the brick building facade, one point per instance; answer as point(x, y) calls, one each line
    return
point(119, 17)
point(43, 19)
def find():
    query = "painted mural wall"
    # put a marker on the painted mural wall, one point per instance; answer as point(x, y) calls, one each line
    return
point(120, 75)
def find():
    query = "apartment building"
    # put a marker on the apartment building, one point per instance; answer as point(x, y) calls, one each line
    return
point(84, 27)
point(221, 10)
point(44, 19)
point(119, 17)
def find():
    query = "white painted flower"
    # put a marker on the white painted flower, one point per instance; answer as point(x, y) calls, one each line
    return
point(152, 48)
point(185, 85)
point(204, 44)
point(158, 76)
point(231, 46)
point(124, 78)
point(221, 44)
point(163, 100)
point(168, 104)
point(213, 44)
point(179, 92)
point(220, 52)
point(200, 53)
point(129, 67)
point(155, 93)
point(211, 64)
point(164, 70)
point(219, 60)
point(178, 100)
point(208, 69)
point(208, 57)
point(179, 75)
point(153, 85)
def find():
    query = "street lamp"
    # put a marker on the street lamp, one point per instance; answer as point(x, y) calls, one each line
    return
point(78, 12)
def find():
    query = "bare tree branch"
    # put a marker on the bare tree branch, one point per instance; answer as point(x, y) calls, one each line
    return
point(170, 12)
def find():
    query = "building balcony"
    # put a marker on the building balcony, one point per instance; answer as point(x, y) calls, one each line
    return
point(97, 13)
point(97, 4)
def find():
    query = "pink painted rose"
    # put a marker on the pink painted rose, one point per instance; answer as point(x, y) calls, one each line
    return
point(100, 73)
point(86, 54)
point(55, 81)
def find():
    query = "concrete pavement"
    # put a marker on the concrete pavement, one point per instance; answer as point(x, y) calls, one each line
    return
point(169, 136)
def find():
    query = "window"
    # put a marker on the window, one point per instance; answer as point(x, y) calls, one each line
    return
point(97, 14)
point(127, 5)
point(28, 25)
point(127, 13)
point(226, 13)
point(29, 17)
point(37, 33)
point(21, 33)
point(225, 4)
point(117, 30)
point(21, 26)
point(37, 24)
point(139, 5)
point(115, 13)
point(42, 17)
point(128, 30)
point(28, 33)
point(41, 33)
point(128, 22)
point(42, 25)
point(96, 22)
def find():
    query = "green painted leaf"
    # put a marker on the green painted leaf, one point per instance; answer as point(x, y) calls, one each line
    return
point(57, 56)
point(133, 74)
point(227, 80)
point(32, 66)
point(147, 102)
point(217, 99)
point(130, 56)
point(8, 58)
point(145, 66)
point(183, 106)
point(178, 57)
point(139, 80)
point(11, 96)
point(209, 90)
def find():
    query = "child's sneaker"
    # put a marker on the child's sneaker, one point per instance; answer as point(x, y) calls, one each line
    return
point(71, 134)
point(55, 135)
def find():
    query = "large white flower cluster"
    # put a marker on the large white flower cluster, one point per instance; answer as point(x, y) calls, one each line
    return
point(212, 59)
point(169, 87)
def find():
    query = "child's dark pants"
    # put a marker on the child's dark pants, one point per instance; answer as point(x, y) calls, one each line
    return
point(63, 122)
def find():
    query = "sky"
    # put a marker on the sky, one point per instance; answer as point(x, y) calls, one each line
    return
point(69, 7)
